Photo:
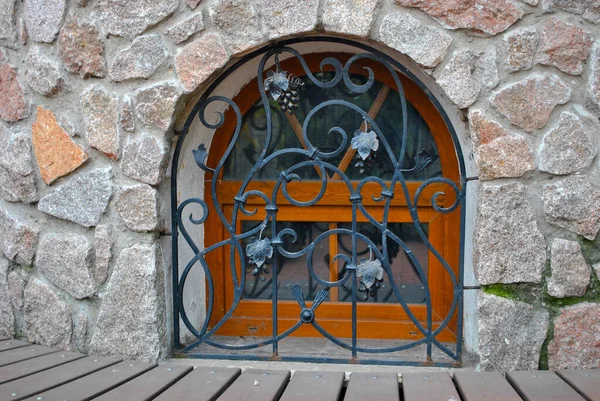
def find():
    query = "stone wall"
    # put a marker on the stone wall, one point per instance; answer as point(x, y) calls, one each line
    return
point(91, 96)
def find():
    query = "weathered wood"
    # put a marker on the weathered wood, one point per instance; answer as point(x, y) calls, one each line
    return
point(585, 382)
point(257, 385)
point(373, 387)
point(542, 386)
point(205, 383)
point(484, 386)
point(315, 386)
point(433, 386)
point(12, 344)
point(148, 385)
point(23, 353)
point(31, 366)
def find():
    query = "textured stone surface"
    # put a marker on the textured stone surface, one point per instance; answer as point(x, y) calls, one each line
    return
point(593, 84)
point(155, 105)
point(139, 207)
point(131, 323)
point(596, 268)
point(7, 318)
point(508, 246)
point(424, 44)
point(81, 49)
point(588, 9)
point(83, 199)
point(573, 203)
point(44, 75)
point(564, 46)
point(17, 179)
point(47, 317)
point(103, 244)
point(288, 17)
point(193, 3)
point(497, 153)
point(140, 60)
point(200, 59)
point(520, 44)
point(567, 148)
point(126, 115)
point(44, 18)
point(66, 260)
point(576, 342)
point(13, 106)
point(487, 17)
point(570, 274)
point(186, 28)
point(350, 17)
point(56, 153)
point(238, 21)
point(145, 160)
point(528, 103)
point(18, 239)
point(8, 29)
point(511, 334)
point(132, 17)
point(100, 111)
point(16, 286)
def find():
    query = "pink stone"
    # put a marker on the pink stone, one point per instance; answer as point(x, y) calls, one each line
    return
point(81, 49)
point(199, 60)
point(193, 3)
point(564, 46)
point(13, 106)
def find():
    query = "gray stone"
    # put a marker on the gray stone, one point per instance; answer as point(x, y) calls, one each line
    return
point(44, 18)
point(593, 84)
point(567, 148)
point(531, 2)
point(140, 60)
point(573, 203)
point(8, 28)
point(424, 44)
point(289, 17)
point(511, 334)
point(186, 28)
point(588, 9)
point(103, 243)
point(43, 74)
point(139, 207)
point(18, 239)
point(16, 286)
point(570, 274)
point(66, 260)
point(508, 246)
point(155, 105)
point(132, 322)
point(199, 59)
point(145, 160)
point(596, 268)
point(17, 177)
point(47, 317)
point(132, 17)
point(81, 49)
point(354, 18)
point(528, 103)
point(83, 199)
point(520, 44)
point(126, 115)
point(238, 22)
point(7, 318)
point(100, 110)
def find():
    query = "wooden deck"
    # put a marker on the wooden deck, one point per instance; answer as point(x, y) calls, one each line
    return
point(32, 372)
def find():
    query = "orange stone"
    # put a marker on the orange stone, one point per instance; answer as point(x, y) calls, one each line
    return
point(56, 153)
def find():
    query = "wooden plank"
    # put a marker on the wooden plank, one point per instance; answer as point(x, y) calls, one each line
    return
point(585, 382)
point(148, 385)
point(97, 383)
point(12, 344)
point(373, 387)
point(42, 381)
point(31, 366)
point(257, 385)
point(205, 383)
point(314, 386)
point(23, 353)
point(484, 386)
point(432, 386)
point(542, 386)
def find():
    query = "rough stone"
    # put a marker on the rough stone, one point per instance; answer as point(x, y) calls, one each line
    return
point(81, 49)
point(17, 179)
point(528, 103)
point(193, 3)
point(289, 17)
point(66, 259)
point(573, 203)
point(16, 286)
point(511, 333)
point(13, 106)
point(588, 9)
point(596, 268)
point(47, 317)
point(56, 153)
point(521, 44)
point(508, 246)
point(43, 74)
point(8, 28)
point(43, 19)
point(126, 115)
point(83, 199)
point(139, 207)
point(567, 148)
point(424, 44)
point(531, 2)
point(238, 22)
point(131, 18)
point(132, 322)
point(155, 105)
point(200, 59)
point(480, 17)
point(7, 318)
point(593, 84)
point(564, 46)
point(497, 153)
point(570, 274)
point(18, 239)
point(100, 110)
point(103, 243)
point(140, 60)
point(354, 18)
point(145, 160)
point(576, 342)
point(186, 28)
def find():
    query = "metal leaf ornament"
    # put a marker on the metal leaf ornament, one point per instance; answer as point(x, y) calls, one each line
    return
point(369, 271)
point(259, 250)
point(365, 142)
point(284, 89)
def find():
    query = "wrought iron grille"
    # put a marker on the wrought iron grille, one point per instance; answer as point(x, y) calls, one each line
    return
point(254, 248)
